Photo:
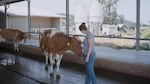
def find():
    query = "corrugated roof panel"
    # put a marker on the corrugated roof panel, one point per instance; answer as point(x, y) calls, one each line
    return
point(2, 2)
point(23, 11)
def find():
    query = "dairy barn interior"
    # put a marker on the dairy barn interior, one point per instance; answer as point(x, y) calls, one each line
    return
point(27, 63)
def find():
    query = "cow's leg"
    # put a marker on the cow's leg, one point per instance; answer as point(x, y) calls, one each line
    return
point(52, 61)
point(16, 51)
point(46, 56)
point(16, 47)
point(58, 59)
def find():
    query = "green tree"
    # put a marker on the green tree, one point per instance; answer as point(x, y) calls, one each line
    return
point(121, 18)
point(110, 11)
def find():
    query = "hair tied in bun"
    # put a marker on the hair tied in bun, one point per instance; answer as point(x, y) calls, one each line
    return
point(83, 26)
point(83, 23)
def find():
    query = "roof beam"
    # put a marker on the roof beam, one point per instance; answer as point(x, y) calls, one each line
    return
point(3, 2)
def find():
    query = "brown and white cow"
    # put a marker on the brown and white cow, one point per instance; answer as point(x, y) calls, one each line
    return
point(12, 36)
point(43, 45)
point(57, 45)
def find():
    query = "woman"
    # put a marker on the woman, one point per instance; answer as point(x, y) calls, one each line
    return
point(89, 54)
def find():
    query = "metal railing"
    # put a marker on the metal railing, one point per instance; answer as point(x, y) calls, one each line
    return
point(38, 31)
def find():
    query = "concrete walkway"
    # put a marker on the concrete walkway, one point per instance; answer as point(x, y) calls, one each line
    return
point(30, 70)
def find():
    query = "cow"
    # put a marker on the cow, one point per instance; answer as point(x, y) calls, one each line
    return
point(12, 36)
point(56, 45)
point(43, 45)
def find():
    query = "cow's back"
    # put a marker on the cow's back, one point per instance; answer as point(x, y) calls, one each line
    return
point(57, 43)
point(8, 34)
point(12, 35)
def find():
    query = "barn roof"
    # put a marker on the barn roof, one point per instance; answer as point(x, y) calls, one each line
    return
point(23, 11)
point(2, 2)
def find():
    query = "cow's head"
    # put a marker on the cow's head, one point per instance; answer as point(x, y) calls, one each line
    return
point(47, 33)
point(23, 36)
point(74, 45)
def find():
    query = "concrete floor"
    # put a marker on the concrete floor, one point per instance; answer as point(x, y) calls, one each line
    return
point(30, 70)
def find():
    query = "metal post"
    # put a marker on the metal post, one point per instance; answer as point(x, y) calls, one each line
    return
point(29, 18)
point(137, 24)
point(67, 17)
point(39, 33)
point(149, 24)
point(5, 16)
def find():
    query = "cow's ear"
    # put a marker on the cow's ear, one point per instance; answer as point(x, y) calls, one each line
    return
point(42, 34)
point(77, 37)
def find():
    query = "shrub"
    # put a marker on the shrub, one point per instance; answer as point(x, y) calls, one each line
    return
point(147, 35)
point(145, 46)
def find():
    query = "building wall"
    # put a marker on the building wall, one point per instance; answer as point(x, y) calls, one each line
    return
point(21, 23)
point(40, 22)
point(109, 29)
point(18, 22)
point(55, 23)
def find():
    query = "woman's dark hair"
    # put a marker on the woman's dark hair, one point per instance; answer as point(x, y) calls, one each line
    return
point(83, 27)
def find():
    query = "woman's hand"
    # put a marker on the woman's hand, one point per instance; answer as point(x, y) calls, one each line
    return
point(87, 59)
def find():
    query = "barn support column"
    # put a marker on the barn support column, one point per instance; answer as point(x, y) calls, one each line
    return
point(5, 25)
point(29, 19)
point(67, 17)
point(137, 24)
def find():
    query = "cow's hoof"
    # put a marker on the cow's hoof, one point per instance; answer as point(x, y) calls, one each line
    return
point(46, 67)
point(51, 74)
point(57, 76)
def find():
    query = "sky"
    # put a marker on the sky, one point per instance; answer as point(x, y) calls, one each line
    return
point(125, 7)
point(128, 9)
